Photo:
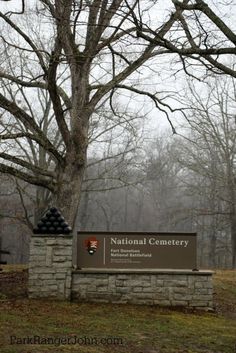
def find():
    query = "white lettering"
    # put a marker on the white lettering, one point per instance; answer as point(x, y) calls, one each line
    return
point(186, 243)
point(127, 241)
point(151, 241)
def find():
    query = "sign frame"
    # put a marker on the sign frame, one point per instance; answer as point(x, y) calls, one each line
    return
point(137, 250)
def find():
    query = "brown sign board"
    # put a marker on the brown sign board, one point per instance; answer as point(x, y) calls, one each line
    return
point(129, 250)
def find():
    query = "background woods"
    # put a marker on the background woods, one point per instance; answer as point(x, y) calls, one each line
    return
point(81, 83)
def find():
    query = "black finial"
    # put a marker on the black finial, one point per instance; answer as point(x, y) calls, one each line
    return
point(52, 222)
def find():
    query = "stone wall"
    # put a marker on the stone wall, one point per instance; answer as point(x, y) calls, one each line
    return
point(50, 266)
point(151, 287)
point(51, 276)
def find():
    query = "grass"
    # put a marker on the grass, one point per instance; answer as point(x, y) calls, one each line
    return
point(13, 268)
point(142, 329)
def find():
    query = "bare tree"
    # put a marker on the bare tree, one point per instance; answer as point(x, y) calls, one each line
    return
point(99, 46)
point(210, 151)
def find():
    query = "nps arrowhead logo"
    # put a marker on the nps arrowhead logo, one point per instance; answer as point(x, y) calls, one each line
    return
point(91, 245)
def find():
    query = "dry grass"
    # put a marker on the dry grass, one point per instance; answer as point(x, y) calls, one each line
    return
point(142, 329)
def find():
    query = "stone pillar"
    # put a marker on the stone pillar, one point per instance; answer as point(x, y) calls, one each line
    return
point(50, 266)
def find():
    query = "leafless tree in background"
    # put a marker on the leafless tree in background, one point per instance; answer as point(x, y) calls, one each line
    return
point(209, 151)
point(100, 46)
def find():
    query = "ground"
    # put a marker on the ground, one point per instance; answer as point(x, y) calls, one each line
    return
point(101, 328)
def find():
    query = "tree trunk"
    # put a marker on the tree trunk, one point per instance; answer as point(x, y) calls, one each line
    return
point(213, 248)
point(43, 199)
point(84, 211)
point(232, 198)
point(68, 194)
point(233, 225)
point(70, 177)
point(233, 239)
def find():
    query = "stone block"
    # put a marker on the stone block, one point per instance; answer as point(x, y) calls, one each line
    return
point(92, 288)
point(122, 276)
point(63, 252)
point(182, 277)
point(163, 277)
point(101, 282)
point(143, 278)
point(50, 242)
point(39, 241)
point(136, 283)
point(175, 283)
point(199, 284)
point(44, 270)
point(102, 289)
point(61, 270)
point(81, 281)
point(112, 281)
point(49, 288)
point(158, 283)
point(79, 288)
point(63, 241)
point(34, 283)
point(68, 282)
point(123, 290)
point(59, 242)
point(59, 276)
point(33, 275)
point(182, 290)
point(46, 276)
point(61, 287)
point(37, 252)
point(51, 282)
point(182, 297)
point(34, 264)
point(201, 278)
point(161, 296)
point(160, 290)
point(65, 264)
point(119, 282)
point(208, 285)
point(49, 256)
point(137, 289)
point(200, 291)
point(148, 290)
point(60, 258)
point(97, 276)
point(191, 282)
point(142, 295)
point(38, 257)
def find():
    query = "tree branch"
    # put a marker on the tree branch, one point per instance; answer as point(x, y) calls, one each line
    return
point(30, 124)
point(203, 7)
point(36, 84)
point(26, 177)
point(26, 165)
point(52, 88)
point(148, 53)
point(27, 39)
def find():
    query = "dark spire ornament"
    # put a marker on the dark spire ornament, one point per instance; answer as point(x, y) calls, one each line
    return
point(52, 222)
